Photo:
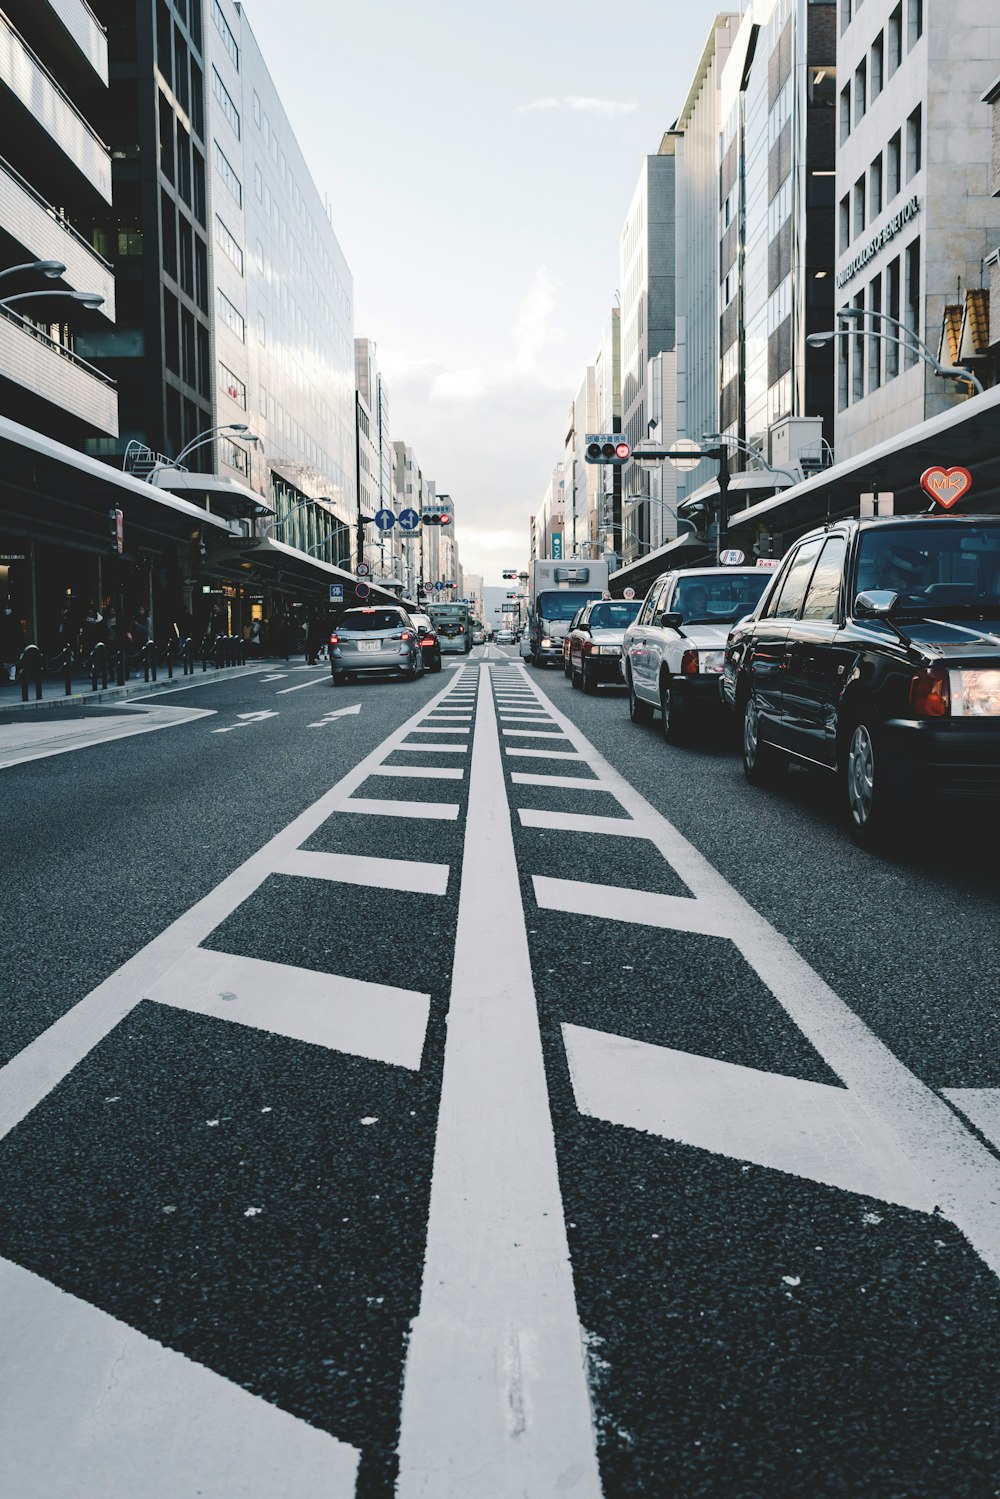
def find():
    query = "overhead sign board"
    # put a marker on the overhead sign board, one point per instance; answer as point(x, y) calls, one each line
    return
point(336, 593)
point(509, 608)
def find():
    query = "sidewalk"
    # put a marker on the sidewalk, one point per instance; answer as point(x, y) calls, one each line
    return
point(54, 688)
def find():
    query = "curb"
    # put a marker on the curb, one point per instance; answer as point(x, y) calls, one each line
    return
point(85, 699)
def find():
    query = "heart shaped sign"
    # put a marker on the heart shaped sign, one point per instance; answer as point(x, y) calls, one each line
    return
point(946, 485)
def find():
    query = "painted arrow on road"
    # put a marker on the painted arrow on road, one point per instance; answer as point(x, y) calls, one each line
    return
point(245, 720)
point(334, 713)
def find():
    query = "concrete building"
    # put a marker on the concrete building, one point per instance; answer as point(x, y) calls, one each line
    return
point(548, 537)
point(778, 92)
point(647, 289)
point(991, 98)
point(916, 215)
point(55, 203)
point(582, 479)
point(608, 397)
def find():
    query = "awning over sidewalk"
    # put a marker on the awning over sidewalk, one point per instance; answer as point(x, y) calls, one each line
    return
point(261, 560)
point(225, 497)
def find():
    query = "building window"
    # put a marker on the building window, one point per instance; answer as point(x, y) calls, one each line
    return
point(230, 316)
point(845, 222)
point(875, 74)
point(875, 188)
point(227, 174)
point(231, 453)
point(857, 340)
point(842, 374)
point(845, 15)
point(258, 184)
point(914, 22)
point(892, 309)
point(896, 38)
point(256, 108)
point(912, 318)
point(845, 112)
point(228, 40)
point(859, 206)
point(875, 344)
point(860, 90)
point(894, 167)
point(233, 386)
point(225, 103)
point(914, 146)
point(261, 329)
point(228, 244)
point(263, 400)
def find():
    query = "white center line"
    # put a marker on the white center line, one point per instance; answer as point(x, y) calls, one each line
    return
point(299, 686)
point(495, 1400)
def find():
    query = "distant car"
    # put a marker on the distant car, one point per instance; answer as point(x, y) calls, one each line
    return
point(672, 655)
point(876, 657)
point(505, 637)
point(374, 641)
point(430, 645)
point(478, 637)
point(566, 638)
point(595, 642)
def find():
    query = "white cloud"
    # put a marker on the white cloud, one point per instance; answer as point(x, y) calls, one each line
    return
point(533, 325)
point(460, 387)
point(582, 103)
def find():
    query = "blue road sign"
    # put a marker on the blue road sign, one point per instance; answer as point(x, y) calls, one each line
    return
point(409, 521)
point(385, 519)
point(336, 593)
point(438, 587)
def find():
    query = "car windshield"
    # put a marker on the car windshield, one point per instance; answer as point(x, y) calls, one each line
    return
point(719, 598)
point(562, 605)
point(933, 566)
point(371, 619)
point(613, 616)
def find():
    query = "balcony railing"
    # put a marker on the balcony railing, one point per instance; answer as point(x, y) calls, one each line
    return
point(36, 361)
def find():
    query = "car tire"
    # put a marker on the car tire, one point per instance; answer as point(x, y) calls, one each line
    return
point(639, 711)
point(339, 678)
point(671, 717)
point(574, 677)
point(436, 661)
point(871, 795)
point(567, 666)
point(587, 681)
point(762, 763)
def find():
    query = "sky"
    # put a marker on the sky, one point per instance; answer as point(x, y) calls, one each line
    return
point(479, 160)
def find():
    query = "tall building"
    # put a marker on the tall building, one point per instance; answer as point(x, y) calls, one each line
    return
point(582, 479)
point(776, 186)
point(916, 218)
point(55, 198)
point(608, 397)
point(647, 288)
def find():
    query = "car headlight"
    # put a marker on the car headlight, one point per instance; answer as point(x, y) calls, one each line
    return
point(711, 660)
point(608, 650)
point(546, 642)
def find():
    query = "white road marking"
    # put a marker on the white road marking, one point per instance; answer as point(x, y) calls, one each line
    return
point(92, 1409)
point(277, 677)
point(962, 1173)
point(28, 1077)
point(580, 822)
point(316, 682)
point(362, 1019)
point(584, 783)
point(374, 807)
point(537, 754)
point(812, 1130)
point(20, 742)
point(428, 772)
point(495, 1399)
point(435, 749)
point(245, 720)
point(981, 1106)
point(334, 714)
point(364, 869)
point(532, 733)
point(452, 728)
point(677, 913)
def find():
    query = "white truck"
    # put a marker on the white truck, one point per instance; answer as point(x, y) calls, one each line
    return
point(556, 590)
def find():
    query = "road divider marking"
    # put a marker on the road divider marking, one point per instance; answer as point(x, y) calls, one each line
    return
point(679, 913)
point(427, 772)
point(495, 1395)
point(92, 1409)
point(423, 728)
point(981, 1106)
point(374, 807)
point(299, 686)
point(537, 754)
point(364, 869)
point(813, 1130)
point(580, 822)
point(435, 749)
point(554, 733)
point(568, 783)
point(362, 1019)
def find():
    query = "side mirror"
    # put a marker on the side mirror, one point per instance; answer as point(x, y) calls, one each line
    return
point(877, 603)
point(672, 621)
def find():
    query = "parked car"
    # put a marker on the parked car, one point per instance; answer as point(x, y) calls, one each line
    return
point(565, 645)
point(372, 641)
point(876, 657)
point(430, 645)
point(672, 655)
point(595, 642)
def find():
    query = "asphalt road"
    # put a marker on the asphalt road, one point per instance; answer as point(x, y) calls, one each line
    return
point(628, 1131)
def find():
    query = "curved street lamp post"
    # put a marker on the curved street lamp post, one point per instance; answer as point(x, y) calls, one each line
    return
point(910, 341)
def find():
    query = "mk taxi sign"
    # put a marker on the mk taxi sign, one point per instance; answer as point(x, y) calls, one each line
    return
point(889, 229)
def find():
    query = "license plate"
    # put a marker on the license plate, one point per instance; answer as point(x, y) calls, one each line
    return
point(369, 645)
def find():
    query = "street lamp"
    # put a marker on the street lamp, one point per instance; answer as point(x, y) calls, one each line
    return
point(917, 345)
point(85, 298)
point(53, 269)
point(748, 448)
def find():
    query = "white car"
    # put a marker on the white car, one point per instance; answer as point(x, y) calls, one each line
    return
point(673, 654)
point(505, 637)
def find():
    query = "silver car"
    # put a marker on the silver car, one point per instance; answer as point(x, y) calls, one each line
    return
point(595, 642)
point(370, 641)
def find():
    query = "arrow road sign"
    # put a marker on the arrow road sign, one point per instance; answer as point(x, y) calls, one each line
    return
point(385, 519)
point(334, 713)
point(409, 521)
point(438, 587)
point(245, 720)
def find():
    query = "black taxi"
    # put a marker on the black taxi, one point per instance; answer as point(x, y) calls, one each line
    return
point(875, 654)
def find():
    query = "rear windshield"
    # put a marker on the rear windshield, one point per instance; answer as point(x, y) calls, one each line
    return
point(932, 566)
point(705, 599)
point(562, 605)
point(613, 616)
point(371, 619)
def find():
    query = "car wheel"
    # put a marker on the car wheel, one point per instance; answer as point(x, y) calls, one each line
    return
point(574, 676)
point(436, 661)
point(872, 799)
point(762, 763)
point(567, 668)
point(587, 681)
point(339, 679)
point(670, 714)
point(638, 710)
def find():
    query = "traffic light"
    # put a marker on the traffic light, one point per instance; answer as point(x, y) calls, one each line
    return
point(510, 572)
point(439, 516)
point(608, 447)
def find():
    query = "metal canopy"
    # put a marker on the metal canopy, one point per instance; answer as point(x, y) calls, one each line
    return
point(227, 496)
point(259, 559)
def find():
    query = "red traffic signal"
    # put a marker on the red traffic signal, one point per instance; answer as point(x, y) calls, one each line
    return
point(607, 448)
point(436, 517)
